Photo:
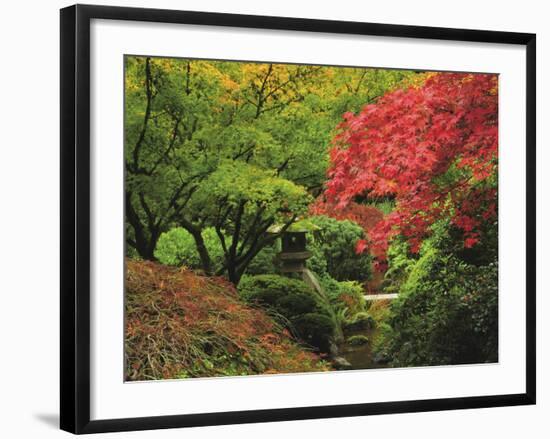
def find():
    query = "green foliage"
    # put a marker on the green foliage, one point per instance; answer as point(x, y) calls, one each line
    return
point(230, 145)
point(233, 183)
point(219, 153)
point(447, 309)
point(177, 247)
point(335, 242)
point(318, 263)
point(315, 329)
point(265, 262)
point(242, 189)
point(345, 300)
point(361, 321)
point(401, 263)
point(344, 295)
point(131, 253)
point(293, 303)
point(386, 206)
point(304, 225)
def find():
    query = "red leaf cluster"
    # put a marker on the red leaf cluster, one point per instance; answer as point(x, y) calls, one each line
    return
point(366, 216)
point(399, 147)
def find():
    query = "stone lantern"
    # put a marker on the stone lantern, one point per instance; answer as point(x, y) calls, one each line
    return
point(293, 257)
point(294, 252)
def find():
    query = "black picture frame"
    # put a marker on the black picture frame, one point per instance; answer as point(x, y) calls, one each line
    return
point(75, 217)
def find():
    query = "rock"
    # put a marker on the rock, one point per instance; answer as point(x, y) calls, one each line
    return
point(333, 350)
point(381, 358)
point(340, 363)
point(360, 321)
point(357, 340)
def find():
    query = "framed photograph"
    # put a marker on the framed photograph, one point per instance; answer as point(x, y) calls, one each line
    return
point(268, 218)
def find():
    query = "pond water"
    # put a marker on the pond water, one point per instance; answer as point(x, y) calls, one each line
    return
point(360, 356)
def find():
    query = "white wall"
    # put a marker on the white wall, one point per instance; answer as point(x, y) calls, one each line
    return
point(29, 205)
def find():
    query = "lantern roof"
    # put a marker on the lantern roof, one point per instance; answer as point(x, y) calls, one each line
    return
point(301, 226)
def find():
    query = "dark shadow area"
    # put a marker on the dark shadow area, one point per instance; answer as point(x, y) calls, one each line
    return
point(50, 419)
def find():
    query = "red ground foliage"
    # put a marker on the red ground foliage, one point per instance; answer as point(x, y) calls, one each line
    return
point(179, 324)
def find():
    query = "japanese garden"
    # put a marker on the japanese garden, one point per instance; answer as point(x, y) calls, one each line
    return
point(285, 218)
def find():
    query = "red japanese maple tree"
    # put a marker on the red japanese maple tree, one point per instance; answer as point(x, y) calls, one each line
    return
point(365, 216)
point(433, 149)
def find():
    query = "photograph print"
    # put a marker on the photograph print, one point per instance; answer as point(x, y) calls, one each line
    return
point(287, 218)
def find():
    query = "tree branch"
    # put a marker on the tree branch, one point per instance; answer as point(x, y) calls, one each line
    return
point(149, 94)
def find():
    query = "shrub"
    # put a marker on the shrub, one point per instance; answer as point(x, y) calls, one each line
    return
point(177, 247)
point(346, 299)
point(179, 325)
point(379, 310)
point(317, 263)
point(447, 309)
point(316, 329)
point(294, 304)
point(335, 242)
point(400, 265)
point(346, 295)
point(265, 262)
point(359, 322)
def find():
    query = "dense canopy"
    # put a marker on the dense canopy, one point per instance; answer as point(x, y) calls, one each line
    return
point(432, 149)
point(390, 178)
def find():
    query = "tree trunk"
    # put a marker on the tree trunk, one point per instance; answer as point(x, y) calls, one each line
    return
point(144, 241)
point(206, 262)
point(147, 250)
point(203, 253)
point(232, 272)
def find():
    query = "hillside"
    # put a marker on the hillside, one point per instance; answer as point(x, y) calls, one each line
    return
point(180, 324)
